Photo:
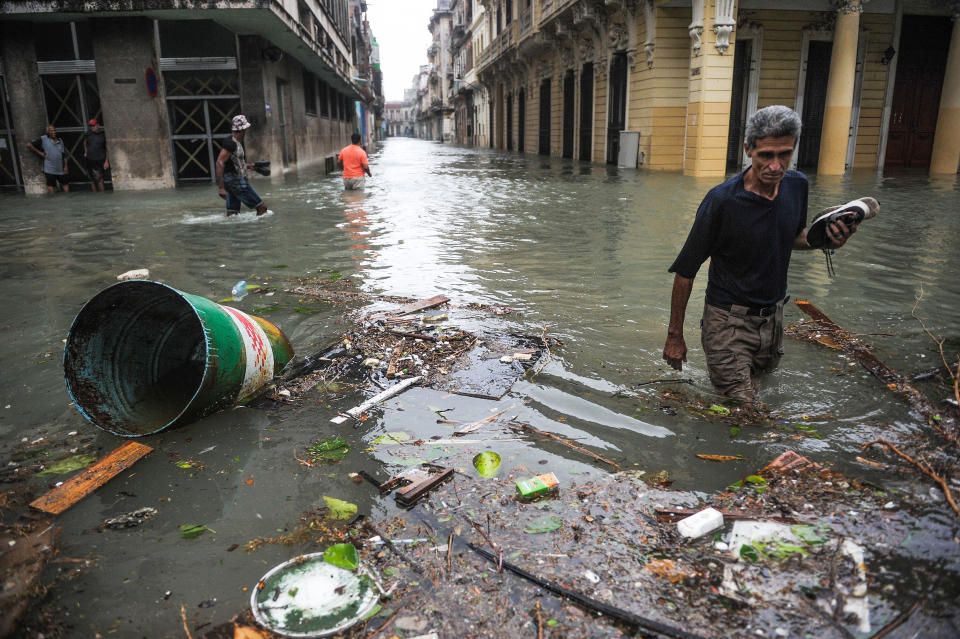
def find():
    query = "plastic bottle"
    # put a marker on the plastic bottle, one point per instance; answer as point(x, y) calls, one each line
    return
point(239, 290)
point(700, 523)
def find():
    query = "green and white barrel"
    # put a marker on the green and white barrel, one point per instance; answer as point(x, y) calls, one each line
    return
point(142, 356)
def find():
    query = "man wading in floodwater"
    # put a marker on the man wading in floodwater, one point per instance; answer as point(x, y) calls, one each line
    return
point(748, 227)
point(232, 167)
point(353, 161)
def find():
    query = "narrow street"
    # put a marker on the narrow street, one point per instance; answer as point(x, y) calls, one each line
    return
point(571, 250)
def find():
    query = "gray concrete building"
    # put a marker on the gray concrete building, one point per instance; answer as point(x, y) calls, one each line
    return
point(165, 78)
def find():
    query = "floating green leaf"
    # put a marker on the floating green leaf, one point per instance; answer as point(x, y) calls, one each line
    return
point(393, 437)
point(68, 465)
point(373, 613)
point(757, 480)
point(749, 553)
point(813, 535)
point(329, 450)
point(545, 524)
point(339, 509)
point(734, 431)
point(487, 463)
point(717, 409)
point(192, 531)
point(251, 287)
point(776, 549)
point(342, 556)
point(552, 622)
point(305, 310)
point(809, 430)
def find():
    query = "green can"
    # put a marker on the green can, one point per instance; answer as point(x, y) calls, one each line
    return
point(141, 357)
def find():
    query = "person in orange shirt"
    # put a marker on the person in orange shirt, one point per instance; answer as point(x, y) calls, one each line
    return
point(353, 161)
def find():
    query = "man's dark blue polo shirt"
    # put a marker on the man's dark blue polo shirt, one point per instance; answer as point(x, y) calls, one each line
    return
point(748, 239)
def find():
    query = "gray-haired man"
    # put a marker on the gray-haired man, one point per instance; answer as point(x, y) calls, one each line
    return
point(748, 227)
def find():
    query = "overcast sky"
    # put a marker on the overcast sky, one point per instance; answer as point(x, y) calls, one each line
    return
point(400, 27)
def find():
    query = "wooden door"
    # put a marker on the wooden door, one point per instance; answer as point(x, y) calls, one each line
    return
point(738, 104)
point(814, 101)
point(586, 112)
point(568, 105)
point(509, 121)
point(521, 120)
point(545, 117)
point(617, 118)
point(921, 65)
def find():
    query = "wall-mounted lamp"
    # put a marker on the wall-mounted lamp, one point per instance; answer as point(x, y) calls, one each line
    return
point(888, 55)
point(272, 54)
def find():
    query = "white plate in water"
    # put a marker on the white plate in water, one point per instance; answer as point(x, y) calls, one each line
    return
point(308, 597)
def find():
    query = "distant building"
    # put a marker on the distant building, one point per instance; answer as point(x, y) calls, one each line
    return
point(165, 78)
point(440, 83)
point(366, 61)
point(393, 117)
point(876, 83)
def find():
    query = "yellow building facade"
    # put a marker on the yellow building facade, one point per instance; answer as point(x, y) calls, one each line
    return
point(669, 84)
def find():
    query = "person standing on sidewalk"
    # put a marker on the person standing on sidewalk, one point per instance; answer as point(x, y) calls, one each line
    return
point(232, 167)
point(95, 153)
point(748, 226)
point(353, 161)
point(50, 148)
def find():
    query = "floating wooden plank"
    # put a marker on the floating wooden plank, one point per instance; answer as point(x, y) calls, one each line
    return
point(851, 344)
point(421, 482)
point(422, 305)
point(376, 399)
point(79, 486)
point(412, 307)
point(564, 441)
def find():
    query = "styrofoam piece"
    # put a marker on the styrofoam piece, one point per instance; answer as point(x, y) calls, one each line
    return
point(376, 399)
point(701, 523)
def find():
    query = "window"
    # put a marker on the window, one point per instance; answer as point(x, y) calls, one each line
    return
point(309, 93)
point(324, 100)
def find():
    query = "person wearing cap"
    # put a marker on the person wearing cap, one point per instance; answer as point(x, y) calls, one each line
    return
point(748, 227)
point(95, 153)
point(353, 161)
point(50, 148)
point(232, 168)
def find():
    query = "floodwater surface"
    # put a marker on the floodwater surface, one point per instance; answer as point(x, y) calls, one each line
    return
point(578, 251)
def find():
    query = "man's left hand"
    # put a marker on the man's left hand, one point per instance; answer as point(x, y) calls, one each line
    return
point(839, 233)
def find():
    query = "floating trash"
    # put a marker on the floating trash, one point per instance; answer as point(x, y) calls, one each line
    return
point(309, 597)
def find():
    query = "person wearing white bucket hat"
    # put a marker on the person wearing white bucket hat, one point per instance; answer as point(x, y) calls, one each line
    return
point(748, 227)
point(232, 167)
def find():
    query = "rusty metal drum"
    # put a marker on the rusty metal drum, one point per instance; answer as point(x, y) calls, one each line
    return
point(141, 357)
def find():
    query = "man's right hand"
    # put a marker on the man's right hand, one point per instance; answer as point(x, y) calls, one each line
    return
point(222, 192)
point(675, 352)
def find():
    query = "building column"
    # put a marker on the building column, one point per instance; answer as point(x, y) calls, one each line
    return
point(26, 99)
point(710, 89)
point(135, 122)
point(839, 101)
point(946, 139)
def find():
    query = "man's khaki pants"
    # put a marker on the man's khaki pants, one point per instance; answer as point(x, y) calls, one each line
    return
point(739, 347)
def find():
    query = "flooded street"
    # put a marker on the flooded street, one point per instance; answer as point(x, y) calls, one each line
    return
point(578, 251)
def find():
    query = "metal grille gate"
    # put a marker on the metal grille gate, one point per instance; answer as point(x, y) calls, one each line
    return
point(203, 95)
point(9, 169)
point(71, 98)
